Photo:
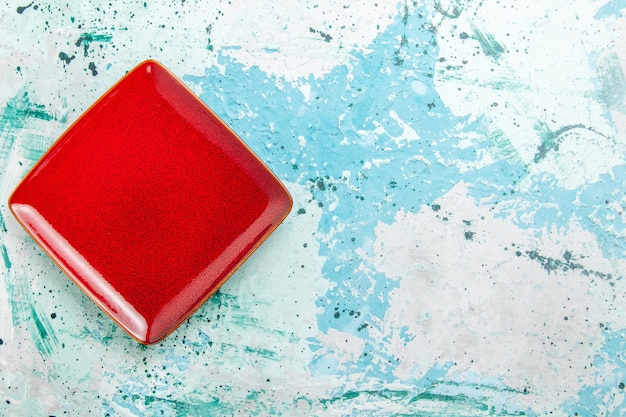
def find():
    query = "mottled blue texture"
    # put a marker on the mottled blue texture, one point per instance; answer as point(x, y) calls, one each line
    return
point(336, 111)
point(339, 108)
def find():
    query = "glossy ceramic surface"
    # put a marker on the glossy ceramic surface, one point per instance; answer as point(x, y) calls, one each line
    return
point(149, 202)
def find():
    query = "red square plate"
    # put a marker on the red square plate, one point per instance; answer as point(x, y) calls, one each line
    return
point(149, 202)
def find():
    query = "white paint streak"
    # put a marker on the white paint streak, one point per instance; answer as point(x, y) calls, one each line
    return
point(408, 133)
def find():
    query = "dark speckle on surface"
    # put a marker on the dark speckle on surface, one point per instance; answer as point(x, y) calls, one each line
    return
point(567, 264)
point(66, 58)
point(92, 67)
point(325, 36)
point(22, 9)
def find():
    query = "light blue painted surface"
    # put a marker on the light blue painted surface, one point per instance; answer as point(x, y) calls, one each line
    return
point(439, 260)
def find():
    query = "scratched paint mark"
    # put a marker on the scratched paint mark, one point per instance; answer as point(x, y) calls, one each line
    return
point(429, 404)
point(461, 405)
point(24, 313)
point(19, 299)
point(43, 334)
point(612, 89)
point(370, 395)
point(134, 397)
point(451, 11)
point(264, 353)
point(551, 140)
point(86, 39)
point(20, 107)
point(432, 396)
point(207, 407)
point(501, 147)
point(22, 113)
point(221, 299)
point(488, 43)
point(5, 256)
point(229, 349)
point(36, 146)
